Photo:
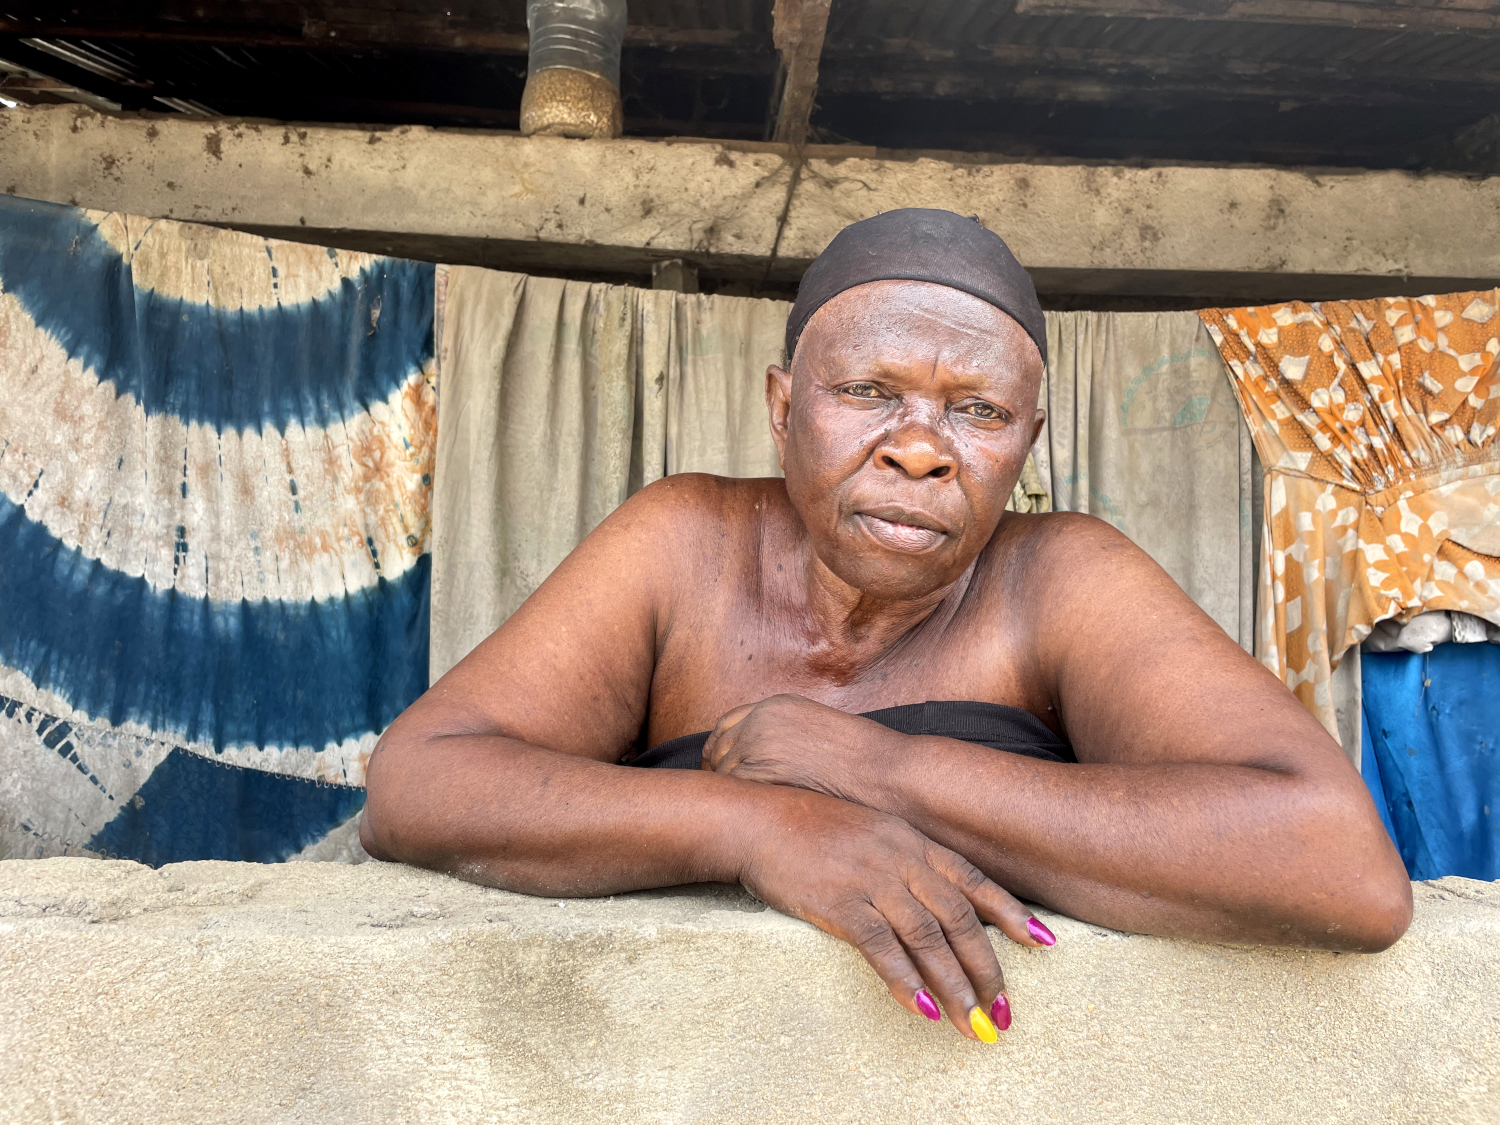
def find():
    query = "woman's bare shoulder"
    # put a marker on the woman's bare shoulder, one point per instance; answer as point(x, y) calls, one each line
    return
point(571, 668)
point(1078, 587)
point(699, 509)
point(1059, 547)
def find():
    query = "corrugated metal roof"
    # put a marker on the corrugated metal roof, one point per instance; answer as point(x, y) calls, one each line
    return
point(974, 24)
point(954, 74)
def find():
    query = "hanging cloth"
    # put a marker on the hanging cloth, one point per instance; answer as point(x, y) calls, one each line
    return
point(560, 399)
point(553, 409)
point(1143, 431)
point(716, 402)
point(215, 473)
point(1376, 421)
point(1433, 734)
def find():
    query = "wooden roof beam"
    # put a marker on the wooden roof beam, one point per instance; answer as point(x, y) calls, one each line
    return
point(419, 30)
point(1475, 148)
point(1469, 16)
point(974, 81)
point(798, 29)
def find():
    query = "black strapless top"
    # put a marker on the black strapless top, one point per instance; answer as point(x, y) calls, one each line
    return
point(987, 724)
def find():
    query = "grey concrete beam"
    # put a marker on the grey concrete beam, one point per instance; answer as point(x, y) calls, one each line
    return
point(545, 203)
point(321, 992)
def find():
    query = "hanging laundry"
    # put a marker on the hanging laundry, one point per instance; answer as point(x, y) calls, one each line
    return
point(1376, 421)
point(1144, 432)
point(1432, 723)
point(1427, 630)
point(215, 477)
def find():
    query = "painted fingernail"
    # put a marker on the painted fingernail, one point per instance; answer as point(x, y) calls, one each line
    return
point(982, 1025)
point(1040, 932)
point(927, 1005)
point(1000, 1012)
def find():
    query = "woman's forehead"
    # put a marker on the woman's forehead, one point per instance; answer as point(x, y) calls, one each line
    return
point(917, 321)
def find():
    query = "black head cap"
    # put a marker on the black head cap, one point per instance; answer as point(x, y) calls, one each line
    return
point(920, 244)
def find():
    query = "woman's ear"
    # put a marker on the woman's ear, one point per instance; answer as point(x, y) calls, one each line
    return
point(779, 405)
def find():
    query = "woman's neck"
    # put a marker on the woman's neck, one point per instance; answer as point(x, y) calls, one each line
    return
point(847, 631)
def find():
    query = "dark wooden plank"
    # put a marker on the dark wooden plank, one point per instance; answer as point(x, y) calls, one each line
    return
point(279, 25)
point(798, 29)
point(1472, 16)
point(1473, 149)
point(1011, 72)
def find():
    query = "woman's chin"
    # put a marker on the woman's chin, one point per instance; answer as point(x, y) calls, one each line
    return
point(895, 576)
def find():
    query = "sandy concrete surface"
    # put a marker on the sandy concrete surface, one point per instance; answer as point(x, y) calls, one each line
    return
point(325, 992)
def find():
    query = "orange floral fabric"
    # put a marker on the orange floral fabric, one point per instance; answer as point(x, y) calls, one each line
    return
point(1376, 423)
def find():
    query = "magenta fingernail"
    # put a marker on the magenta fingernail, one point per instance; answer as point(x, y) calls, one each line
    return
point(1000, 1012)
point(927, 1005)
point(1040, 932)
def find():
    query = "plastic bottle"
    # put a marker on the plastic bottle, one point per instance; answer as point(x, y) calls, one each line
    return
point(573, 72)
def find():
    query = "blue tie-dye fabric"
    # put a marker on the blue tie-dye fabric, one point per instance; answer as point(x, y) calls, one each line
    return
point(313, 362)
point(261, 673)
point(196, 724)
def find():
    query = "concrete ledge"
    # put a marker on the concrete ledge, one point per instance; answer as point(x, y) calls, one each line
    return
point(323, 992)
point(545, 203)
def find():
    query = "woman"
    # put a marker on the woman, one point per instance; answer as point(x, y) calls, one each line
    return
point(1098, 745)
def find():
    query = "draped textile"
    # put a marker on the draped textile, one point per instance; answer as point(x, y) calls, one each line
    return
point(215, 478)
point(1376, 421)
point(1433, 725)
point(1143, 431)
point(554, 407)
point(716, 406)
point(560, 398)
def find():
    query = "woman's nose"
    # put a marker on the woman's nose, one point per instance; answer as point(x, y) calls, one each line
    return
point(918, 452)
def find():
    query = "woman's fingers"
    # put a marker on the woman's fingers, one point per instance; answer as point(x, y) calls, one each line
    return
point(935, 954)
point(865, 928)
point(914, 909)
point(992, 902)
point(905, 946)
point(959, 895)
point(717, 745)
point(966, 937)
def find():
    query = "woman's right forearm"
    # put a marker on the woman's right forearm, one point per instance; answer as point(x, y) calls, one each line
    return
point(502, 812)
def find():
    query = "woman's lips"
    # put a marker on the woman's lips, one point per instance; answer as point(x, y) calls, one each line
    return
point(900, 536)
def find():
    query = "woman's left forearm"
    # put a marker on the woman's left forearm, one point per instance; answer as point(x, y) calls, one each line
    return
point(1193, 850)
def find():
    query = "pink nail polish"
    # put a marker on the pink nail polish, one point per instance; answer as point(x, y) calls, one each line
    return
point(927, 1005)
point(1000, 1012)
point(1040, 932)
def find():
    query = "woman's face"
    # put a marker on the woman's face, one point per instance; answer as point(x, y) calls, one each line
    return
point(903, 426)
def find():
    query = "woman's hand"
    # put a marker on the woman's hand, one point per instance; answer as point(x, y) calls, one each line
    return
point(791, 740)
point(914, 909)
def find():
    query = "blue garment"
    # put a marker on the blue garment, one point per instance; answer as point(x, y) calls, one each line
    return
point(1432, 756)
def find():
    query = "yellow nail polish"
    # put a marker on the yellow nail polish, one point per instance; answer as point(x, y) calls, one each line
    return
point(982, 1025)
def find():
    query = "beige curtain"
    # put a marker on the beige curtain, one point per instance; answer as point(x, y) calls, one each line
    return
point(557, 399)
point(549, 395)
point(716, 400)
point(1144, 431)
